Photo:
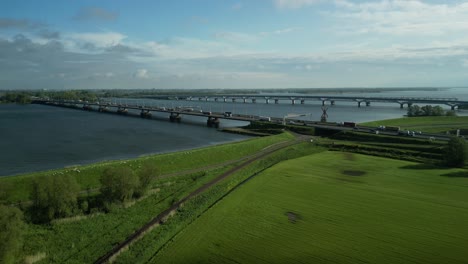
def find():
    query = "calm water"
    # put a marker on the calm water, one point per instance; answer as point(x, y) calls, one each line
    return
point(36, 137)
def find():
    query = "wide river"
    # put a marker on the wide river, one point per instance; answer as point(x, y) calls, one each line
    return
point(37, 137)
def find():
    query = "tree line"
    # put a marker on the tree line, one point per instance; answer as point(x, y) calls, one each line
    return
point(428, 110)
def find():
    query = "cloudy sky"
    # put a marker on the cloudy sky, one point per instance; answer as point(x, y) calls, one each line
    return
point(233, 44)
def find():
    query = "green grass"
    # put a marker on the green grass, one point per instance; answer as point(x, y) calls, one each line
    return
point(84, 240)
point(396, 212)
point(431, 124)
point(18, 187)
point(144, 249)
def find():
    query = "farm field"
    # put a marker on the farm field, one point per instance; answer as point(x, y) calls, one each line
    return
point(334, 207)
point(431, 124)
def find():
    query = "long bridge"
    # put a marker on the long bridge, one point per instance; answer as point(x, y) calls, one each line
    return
point(360, 100)
point(175, 114)
point(213, 118)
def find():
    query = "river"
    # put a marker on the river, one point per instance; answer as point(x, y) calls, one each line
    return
point(38, 137)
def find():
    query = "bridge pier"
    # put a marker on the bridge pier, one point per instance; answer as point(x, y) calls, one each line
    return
point(244, 100)
point(323, 102)
point(224, 99)
point(122, 110)
point(175, 117)
point(254, 100)
point(410, 104)
point(233, 100)
point(199, 98)
point(453, 107)
point(402, 105)
point(267, 101)
point(302, 101)
point(216, 99)
point(332, 102)
point(212, 122)
point(206, 99)
point(276, 101)
point(102, 108)
point(358, 104)
point(293, 101)
point(368, 103)
point(145, 114)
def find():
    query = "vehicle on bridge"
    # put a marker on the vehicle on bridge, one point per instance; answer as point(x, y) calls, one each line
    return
point(349, 124)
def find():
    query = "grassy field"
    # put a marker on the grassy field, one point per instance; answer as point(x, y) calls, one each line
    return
point(18, 187)
point(82, 239)
point(144, 249)
point(334, 207)
point(431, 124)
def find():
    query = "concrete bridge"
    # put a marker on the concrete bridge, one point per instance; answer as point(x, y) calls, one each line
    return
point(360, 100)
point(175, 114)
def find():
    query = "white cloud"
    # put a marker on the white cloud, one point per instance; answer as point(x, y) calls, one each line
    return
point(294, 4)
point(402, 17)
point(141, 74)
point(98, 40)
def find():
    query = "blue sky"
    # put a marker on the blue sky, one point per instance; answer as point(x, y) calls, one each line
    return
point(233, 44)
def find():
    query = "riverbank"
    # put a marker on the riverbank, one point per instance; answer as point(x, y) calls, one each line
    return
point(17, 187)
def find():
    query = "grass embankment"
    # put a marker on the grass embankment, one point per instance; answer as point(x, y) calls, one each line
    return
point(334, 207)
point(430, 124)
point(83, 239)
point(18, 187)
point(402, 148)
point(146, 248)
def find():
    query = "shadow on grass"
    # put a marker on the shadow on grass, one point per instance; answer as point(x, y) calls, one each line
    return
point(458, 174)
point(421, 167)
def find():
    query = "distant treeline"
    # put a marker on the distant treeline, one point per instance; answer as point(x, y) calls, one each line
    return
point(429, 110)
point(25, 97)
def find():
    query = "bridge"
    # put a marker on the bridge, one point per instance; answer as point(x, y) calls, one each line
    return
point(213, 118)
point(360, 100)
point(175, 114)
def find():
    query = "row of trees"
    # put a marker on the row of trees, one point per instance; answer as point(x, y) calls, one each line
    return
point(16, 97)
point(58, 197)
point(428, 110)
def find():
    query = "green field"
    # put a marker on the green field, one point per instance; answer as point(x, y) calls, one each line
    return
point(432, 124)
point(334, 207)
point(84, 238)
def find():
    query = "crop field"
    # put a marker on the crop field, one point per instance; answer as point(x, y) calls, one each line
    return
point(431, 124)
point(334, 207)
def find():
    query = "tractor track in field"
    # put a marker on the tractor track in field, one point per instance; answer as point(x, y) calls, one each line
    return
point(163, 216)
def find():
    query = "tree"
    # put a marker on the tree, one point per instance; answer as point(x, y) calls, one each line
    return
point(54, 197)
point(414, 110)
point(456, 152)
point(11, 231)
point(118, 184)
point(148, 173)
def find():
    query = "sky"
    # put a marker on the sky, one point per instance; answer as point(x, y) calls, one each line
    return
point(121, 44)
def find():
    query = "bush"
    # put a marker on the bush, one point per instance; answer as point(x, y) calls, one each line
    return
point(11, 231)
point(118, 184)
point(455, 152)
point(54, 197)
point(148, 173)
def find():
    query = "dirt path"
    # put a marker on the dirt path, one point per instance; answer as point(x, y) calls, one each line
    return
point(163, 216)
